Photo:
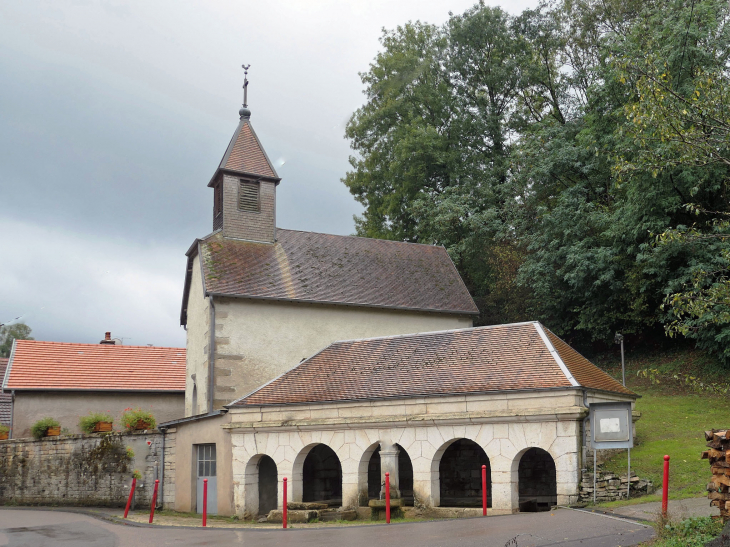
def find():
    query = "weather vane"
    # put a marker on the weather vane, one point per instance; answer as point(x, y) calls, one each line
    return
point(245, 84)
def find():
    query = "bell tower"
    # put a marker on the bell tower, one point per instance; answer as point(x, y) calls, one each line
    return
point(244, 185)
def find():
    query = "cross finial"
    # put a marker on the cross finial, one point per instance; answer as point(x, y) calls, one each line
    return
point(245, 84)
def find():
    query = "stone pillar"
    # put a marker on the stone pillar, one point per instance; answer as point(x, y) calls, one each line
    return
point(389, 464)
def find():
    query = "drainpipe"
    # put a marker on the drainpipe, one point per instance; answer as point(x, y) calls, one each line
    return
point(12, 414)
point(211, 356)
point(163, 430)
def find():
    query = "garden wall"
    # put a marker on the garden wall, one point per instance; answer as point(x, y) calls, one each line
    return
point(91, 470)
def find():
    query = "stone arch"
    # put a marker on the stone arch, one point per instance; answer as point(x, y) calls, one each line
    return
point(317, 475)
point(371, 474)
point(537, 484)
point(457, 468)
point(261, 485)
point(364, 473)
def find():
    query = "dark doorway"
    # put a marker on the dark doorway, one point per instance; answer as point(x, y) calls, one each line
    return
point(405, 474)
point(460, 475)
point(267, 485)
point(322, 476)
point(538, 486)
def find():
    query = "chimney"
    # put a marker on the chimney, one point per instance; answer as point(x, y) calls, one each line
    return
point(107, 339)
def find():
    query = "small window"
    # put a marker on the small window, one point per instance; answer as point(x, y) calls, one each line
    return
point(248, 196)
point(218, 198)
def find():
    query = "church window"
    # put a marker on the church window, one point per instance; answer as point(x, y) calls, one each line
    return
point(248, 196)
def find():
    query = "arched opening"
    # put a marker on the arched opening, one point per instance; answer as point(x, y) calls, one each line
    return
point(538, 486)
point(267, 485)
point(460, 475)
point(322, 476)
point(405, 476)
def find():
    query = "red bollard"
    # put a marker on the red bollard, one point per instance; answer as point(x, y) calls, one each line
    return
point(387, 498)
point(283, 519)
point(131, 495)
point(484, 490)
point(205, 502)
point(665, 487)
point(154, 501)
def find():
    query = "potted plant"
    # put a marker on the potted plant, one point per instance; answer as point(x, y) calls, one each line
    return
point(138, 419)
point(46, 427)
point(96, 422)
point(4, 432)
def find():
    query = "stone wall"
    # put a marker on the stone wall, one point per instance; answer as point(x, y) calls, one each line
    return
point(93, 470)
point(168, 492)
point(611, 487)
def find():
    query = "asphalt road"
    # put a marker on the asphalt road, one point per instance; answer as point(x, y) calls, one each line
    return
point(37, 528)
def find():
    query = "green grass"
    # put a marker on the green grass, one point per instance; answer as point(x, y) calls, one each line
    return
point(694, 532)
point(673, 419)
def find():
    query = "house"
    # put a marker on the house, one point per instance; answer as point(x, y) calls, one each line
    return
point(6, 400)
point(330, 360)
point(67, 381)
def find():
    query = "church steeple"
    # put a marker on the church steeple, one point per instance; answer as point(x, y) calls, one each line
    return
point(245, 184)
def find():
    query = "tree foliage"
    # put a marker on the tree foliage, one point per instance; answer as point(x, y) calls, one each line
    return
point(572, 159)
point(8, 333)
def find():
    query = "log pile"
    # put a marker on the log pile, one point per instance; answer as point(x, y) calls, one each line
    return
point(718, 442)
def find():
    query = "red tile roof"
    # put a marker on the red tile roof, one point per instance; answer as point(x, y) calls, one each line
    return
point(331, 269)
point(97, 367)
point(6, 400)
point(245, 154)
point(480, 360)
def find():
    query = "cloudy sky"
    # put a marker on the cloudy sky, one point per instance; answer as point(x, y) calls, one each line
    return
point(114, 115)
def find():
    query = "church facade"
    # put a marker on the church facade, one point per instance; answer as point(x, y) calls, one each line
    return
point(331, 360)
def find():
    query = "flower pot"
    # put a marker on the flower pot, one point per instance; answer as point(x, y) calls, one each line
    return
point(53, 432)
point(4, 436)
point(102, 427)
point(141, 424)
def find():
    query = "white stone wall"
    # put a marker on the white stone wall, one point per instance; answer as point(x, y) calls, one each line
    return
point(505, 427)
point(198, 337)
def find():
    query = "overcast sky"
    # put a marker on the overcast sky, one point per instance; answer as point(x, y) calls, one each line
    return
point(114, 115)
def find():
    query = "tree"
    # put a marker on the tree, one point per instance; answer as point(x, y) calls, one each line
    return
point(8, 333)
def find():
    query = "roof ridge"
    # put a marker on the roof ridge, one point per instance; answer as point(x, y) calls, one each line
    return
point(554, 352)
point(100, 345)
point(363, 238)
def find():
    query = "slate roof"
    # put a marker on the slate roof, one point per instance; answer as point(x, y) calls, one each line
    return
point(515, 357)
point(332, 269)
point(245, 155)
point(6, 400)
point(37, 365)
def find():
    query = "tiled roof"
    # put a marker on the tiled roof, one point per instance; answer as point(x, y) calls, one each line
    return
point(245, 154)
point(96, 367)
point(6, 400)
point(479, 360)
point(311, 267)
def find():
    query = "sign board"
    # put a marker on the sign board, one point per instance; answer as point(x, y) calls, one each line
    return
point(611, 425)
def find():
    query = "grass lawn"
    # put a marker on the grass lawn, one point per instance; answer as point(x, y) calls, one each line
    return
point(673, 419)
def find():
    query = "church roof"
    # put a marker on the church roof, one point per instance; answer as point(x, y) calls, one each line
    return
point(515, 357)
point(333, 269)
point(245, 155)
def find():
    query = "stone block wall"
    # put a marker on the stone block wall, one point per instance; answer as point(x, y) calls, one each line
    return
point(91, 470)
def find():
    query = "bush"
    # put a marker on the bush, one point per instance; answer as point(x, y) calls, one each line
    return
point(131, 417)
point(130, 453)
point(692, 532)
point(38, 430)
point(88, 423)
point(136, 474)
point(4, 429)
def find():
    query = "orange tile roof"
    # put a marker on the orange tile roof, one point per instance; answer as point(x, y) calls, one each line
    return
point(98, 367)
point(500, 358)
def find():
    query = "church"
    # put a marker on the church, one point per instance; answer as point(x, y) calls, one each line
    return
point(331, 360)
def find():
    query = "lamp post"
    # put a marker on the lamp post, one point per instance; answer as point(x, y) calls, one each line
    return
point(619, 339)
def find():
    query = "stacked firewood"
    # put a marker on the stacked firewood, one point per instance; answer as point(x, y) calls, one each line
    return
point(718, 442)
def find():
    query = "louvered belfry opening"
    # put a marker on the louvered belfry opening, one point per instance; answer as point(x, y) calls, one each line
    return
point(248, 195)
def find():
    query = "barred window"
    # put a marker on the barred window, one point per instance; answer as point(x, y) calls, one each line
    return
point(248, 196)
point(218, 198)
